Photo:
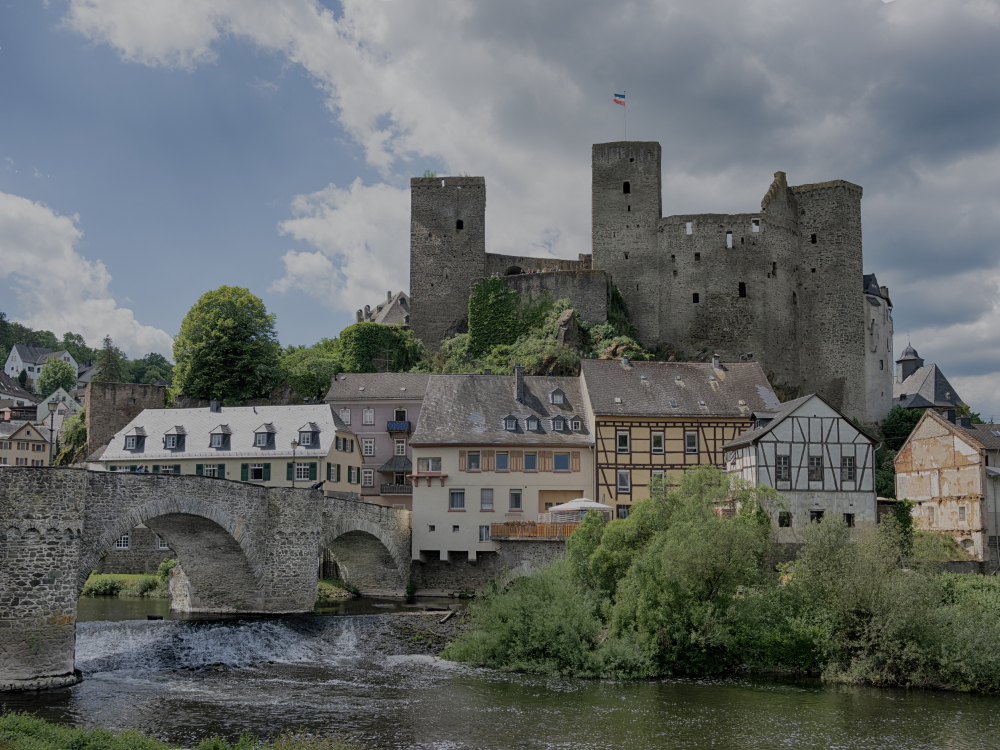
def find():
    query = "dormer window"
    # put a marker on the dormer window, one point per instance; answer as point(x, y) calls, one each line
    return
point(558, 424)
point(511, 424)
point(558, 397)
point(261, 440)
point(130, 443)
point(305, 438)
point(576, 424)
point(216, 441)
point(532, 424)
point(171, 441)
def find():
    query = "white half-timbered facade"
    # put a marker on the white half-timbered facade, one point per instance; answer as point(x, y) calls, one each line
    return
point(815, 457)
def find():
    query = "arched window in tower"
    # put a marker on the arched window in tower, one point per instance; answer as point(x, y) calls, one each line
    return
point(743, 289)
point(626, 188)
point(459, 224)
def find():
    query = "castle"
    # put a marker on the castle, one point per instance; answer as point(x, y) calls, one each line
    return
point(783, 286)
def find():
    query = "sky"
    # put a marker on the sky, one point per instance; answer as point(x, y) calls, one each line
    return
point(152, 151)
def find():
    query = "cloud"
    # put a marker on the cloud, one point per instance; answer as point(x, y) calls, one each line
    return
point(362, 236)
point(58, 288)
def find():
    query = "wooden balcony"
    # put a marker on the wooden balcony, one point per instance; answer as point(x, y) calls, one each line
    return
point(397, 489)
point(530, 530)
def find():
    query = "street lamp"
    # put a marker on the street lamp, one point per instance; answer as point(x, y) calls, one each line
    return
point(53, 405)
point(295, 444)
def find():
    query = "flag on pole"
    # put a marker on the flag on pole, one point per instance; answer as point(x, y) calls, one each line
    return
point(620, 99)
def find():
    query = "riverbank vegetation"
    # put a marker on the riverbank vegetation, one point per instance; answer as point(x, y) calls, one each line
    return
point(131, 584)
point(331, 590)
point(22, 731)
point(678, 588)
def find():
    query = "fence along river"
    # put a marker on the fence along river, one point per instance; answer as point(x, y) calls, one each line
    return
point(182, 680)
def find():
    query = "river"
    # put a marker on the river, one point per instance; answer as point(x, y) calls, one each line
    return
point(184, 679)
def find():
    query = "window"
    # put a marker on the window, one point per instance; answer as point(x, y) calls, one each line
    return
point(368, 477)
point(122, 542)
point(456, 500)
point(345, 416)
point(815, 516)
point(694, 298)
point(558, 397)
point(22, 462)
point(22, 446)
point(400, 415)
point(784, 519)
point(624, 481)
point(531, 462)
point(503, 461)
point(533, 424)
point(130, 443)
point(782, 468)
point(367, 446)
point(160, 544)
point(558, 424)
point(626, 188)
point(216, 441)
point(847, 469)
point(459, 224)
point(171, 441)
point(301, 471)
point(486, 498)
point(812, 239)
point(431, 527)
point(454, 529)
point(515, 499)
point(754, 225)
point(689, 227)
point(561, 462)
point(210, 470)
point(623, 441)
point(511, 424)
point(961, 513)
point(472, 463)
point(261, 440)
point(849, 520)
point(657, 442)
point(484, 533)
point(881, 364)
point(368, 416)
point(256, 472)
point(743, 289)
point(576, 424)
point(697, 256)
point(690, 442)
point(400, 446)
point(729, 240)
point(305, 438)
point(930, 516)
point(815, 468)
point(428, 465)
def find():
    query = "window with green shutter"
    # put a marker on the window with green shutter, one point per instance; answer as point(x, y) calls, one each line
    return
point(156, 468)
point(267, 472)
point(244, 472)
point(350, 474)
point(199, 470)
point(312, 471)
point(222, 471)
point(112, 468)
point(338, 473)
point(328, 471)
point(132, 468)
point(338, 442)
point(177, 468)
point(290, 471)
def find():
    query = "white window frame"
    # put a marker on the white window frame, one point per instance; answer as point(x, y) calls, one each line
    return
point(484, 533)
point(368, 477)
point(506, 462)
point(652, 443)
point(260, 440)
point(161, 544)
point(171, 441)
point(478, 460)
point(515, 500)
point(367, 446)
point(625, 448)
point(511, 425)
point(345, 416)
point(533, 424)
point(689, 448)
point(367, 416)
point(124, 541)
point(818, 466)
point(210, 470)
point(848, 469)
point(427, 465)
point(259, 468)
point(486, 498)
point(216, 441)
point(782, 468)
point(305, 438)
point(555, 462)
point(559, 424)
point(301, 470)
point(558, 397)
point(577, 424)
point(625, 487)
point(130, 442)
point(456, 500)
point(400, 446)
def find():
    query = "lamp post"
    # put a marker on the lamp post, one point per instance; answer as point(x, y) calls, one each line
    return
point(295, 444)
point(53, 405)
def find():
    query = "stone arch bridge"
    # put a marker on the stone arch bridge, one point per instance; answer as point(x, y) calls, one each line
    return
point(243, 548)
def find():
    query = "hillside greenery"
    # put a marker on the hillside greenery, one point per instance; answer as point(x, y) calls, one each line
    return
point(679, 589)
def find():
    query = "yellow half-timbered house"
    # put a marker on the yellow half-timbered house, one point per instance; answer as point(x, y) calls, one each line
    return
point(661, 418)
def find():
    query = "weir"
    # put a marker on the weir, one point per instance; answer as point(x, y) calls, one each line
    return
point(243, 548)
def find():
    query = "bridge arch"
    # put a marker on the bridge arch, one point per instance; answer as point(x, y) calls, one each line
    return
point(369, 535)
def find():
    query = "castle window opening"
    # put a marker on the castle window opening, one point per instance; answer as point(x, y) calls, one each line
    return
point(442, 183)
point(689, 227)
point(729, 239)
point(795, 299)
point(754, 225)
point(626, 188)
point(881, 364)
point(673, 257)
point(637, 287)
point(742, 240)
point(743, 289)
point(626, 255)
point(774, 269)
point(814, 270)
point(459, 224)
point(631, 159)
point(628, 208)
point(694, 298)
point(675, 272)
point(812, 239)
point(697, 256)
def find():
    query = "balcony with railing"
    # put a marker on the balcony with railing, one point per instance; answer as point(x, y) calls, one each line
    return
point(525, 530)
point(398, 426)
point(397, 489)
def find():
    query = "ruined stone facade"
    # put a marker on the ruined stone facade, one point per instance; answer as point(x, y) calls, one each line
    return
point(111, 406)
point(780, 285)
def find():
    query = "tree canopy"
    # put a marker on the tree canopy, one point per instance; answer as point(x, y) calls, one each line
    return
point(110, 363)
point(227, 347)
point(56, 374)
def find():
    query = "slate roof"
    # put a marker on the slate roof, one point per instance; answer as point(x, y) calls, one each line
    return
point(36, 354)
point(925, 387)
point(243, 421)
point(776, 417)
point(645, 389)
point(984, 434)
point(9, 388)
point(472, 409)
point(377, 386)
point(396, 463)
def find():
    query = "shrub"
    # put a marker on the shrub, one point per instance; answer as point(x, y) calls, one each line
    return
point(165, 567)
point(102, 586)
point(142, 585)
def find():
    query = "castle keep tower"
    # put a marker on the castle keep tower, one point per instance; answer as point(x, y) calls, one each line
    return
point(447, 252)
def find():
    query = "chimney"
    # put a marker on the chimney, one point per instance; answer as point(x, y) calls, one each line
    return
point(388, 296)
point(965, 421)
point(950, 415)
point(519, 384)
point(715, 362)
point(368, 312)
point(215, 406)
point(360, 316)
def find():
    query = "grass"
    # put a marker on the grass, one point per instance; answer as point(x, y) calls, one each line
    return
point(931, 546)
point(330, 590)
point(126, 584)
point(22, 731)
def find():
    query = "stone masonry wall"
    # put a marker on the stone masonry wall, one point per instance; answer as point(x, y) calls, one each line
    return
point(108, 408)
point(587, 290)
point(142, 556)
point(515, 558)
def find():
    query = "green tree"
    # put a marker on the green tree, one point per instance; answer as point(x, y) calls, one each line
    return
point(898, 425)
point(110, 363)
point(75, 344)
point(149, 369)
point(366, 347)
point(309, 370)
point(56, 374)
point(885, 473)
point(227, 347)
point(22, 379)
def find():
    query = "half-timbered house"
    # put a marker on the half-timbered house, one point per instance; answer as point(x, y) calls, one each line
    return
point(654, 419)
point(820, 462)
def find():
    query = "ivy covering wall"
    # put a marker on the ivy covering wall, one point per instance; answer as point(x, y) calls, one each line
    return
point(494, 316)
point(372, 347)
